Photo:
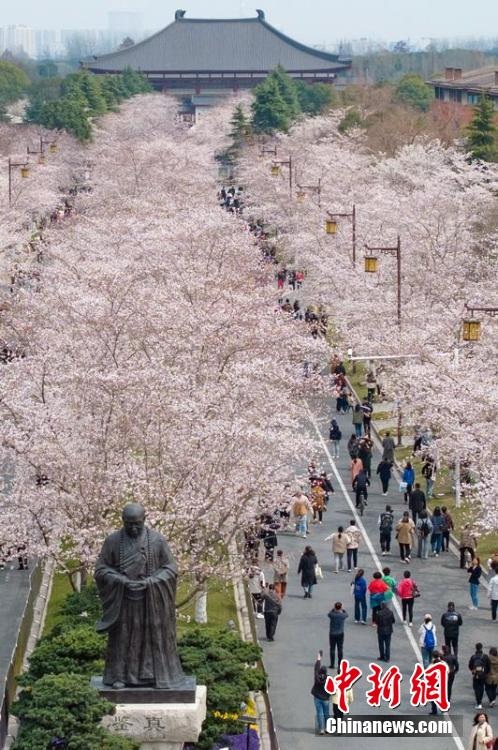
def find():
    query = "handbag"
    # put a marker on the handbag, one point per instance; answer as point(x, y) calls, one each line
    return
point(403, 486)
point(415, 591)
point(318, 571)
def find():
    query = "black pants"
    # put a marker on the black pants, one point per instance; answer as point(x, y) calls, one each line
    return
point(452, 642)
point(490, 692)
point(320, 514)
point(451, 680)
point(407, 608)
point(352, 557)
point(271, 619)
point(494, 605)
point(414, 516)
point(463, 550)
point(257, 603)
point(385, 541)
point(404, 550)
point(359, 492)
point(384, 641)
point(478, 687)
point(336, 711)
point(336, 641)
point(446, 541)
point(385, 484)
point(408, 492)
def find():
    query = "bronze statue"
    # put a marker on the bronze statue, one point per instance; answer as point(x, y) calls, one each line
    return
point(136, 579)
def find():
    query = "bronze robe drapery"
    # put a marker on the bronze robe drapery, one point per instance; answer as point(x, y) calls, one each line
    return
point(141, 649)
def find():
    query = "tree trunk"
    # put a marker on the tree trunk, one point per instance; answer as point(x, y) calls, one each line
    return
point(200, 615)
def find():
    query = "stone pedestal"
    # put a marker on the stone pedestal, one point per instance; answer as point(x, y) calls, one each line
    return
point(160, 726)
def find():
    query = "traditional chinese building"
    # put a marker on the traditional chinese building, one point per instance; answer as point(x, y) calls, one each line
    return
point(199, 57)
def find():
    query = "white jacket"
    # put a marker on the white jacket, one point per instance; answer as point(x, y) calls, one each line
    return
point(421, 633)
point(493, 587)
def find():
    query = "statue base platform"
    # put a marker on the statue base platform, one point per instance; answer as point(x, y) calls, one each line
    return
point(185, 693)
point(160, 726)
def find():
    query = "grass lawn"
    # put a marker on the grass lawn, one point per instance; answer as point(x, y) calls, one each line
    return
point(221, 604)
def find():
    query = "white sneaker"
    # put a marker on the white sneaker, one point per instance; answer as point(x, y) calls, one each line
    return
point(410, 624)
point(404, 622)
point(479, 706)
point(260, 616)
point(357, 621)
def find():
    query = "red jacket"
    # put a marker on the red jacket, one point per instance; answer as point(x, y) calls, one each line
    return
point(405, 588)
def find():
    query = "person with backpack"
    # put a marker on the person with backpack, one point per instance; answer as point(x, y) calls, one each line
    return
point(407, 591)
point(416, 502)
point(335, 436)
point(437, 531)
point(365, 455)
point(453, 668)
point(360, 485)
point(320, 696)
point(367, 410)
point(359, 588)
point(385, 524)
point(479, 666)
point(451, 622)
point(384, 470)
point(427, 639)
point(424, 530)
point(448, 527)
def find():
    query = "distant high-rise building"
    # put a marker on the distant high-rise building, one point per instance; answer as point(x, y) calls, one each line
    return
point(18, 40)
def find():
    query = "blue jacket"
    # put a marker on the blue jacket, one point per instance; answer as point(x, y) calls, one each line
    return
point(359, 588)
point(409, 476)
point(438, 524)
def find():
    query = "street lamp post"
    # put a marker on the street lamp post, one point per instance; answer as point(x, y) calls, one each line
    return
point(371, 267)
point(316, 189)
point(24, 173)
point(471, 325)
point(332, 220)
point(268, 150)
point(275, 169)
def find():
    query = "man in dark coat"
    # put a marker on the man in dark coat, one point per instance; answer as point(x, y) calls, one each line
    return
point(136, 579)
point(385, 621)
point(417, 502)
point(273, 608)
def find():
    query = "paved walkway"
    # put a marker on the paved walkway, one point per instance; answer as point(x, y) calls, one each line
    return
point(303, 626)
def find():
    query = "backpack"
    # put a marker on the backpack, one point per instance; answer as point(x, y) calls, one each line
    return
point(478, 669)
point(424, 529)
point(429, 640)
point(386, 522)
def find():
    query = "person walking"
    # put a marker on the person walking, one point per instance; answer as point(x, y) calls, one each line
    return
point(448, 527)
point(385, 622)
point(388, 447)
point(358, 420)
point(300, 509)
point(408, 477)
point(327, 487)
point(423, 529)
point(392, 583)
point(384, 470)
point(429, 472)
point(359, 588)
point(317, 501)
point(480, 666)
point(337, 619)
point(453, 668)
point(361, 483)
point(336, 711)
point(353, 447)
point(405, 529)
point(273, 608)
point(491, 679)
point(481, 734)
point(377, 589)
point(407, 592)
point(493, 593)
point(335, 436)
point(468, 545)
point(451, 622)
point(280, 573)
point(416, 502)
point(256, 585)
point(356, 467)
point(427, 639)
point(306, 567)
point(365, 455)
point(437, 531)
point(354, 538)
point(367, 410)
point(385, 523)
point(475, 571)
point(339, 545)
point(320, 696)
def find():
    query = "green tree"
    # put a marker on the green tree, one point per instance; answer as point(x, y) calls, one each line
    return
point(135, 83)
point(13, 82)
point(482, 131)
point(352, 119)
point(77, 650)
point(413, 91)
point(288, 91)
point(67, 114)
point(269, 110)
point(41, 92)
point(316, 99)
point(241, 128)
point(65, 706)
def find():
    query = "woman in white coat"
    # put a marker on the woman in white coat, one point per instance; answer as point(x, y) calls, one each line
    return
point(481, 735)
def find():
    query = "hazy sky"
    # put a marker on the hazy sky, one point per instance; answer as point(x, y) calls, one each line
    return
point(313, 22)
